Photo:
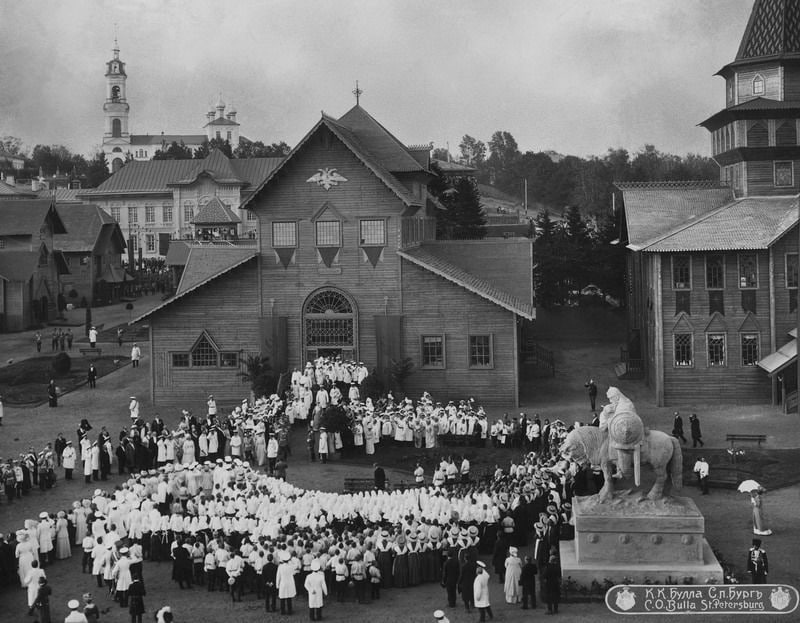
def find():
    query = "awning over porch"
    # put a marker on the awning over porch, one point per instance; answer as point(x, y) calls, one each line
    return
point(785, 356)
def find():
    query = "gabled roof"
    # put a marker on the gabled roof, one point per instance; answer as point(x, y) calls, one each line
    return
point(204, 264)
point(220, 121)
point(18, 265)
point(745, 224)
point(371, 143)
point(87, 225)
point(158, 176)
point(378, 141)
point(499, 271)
point(62, 195)
point(653, 209)
point(216, 165)
point(215, 212)
point(26, 216)
point(177, 253)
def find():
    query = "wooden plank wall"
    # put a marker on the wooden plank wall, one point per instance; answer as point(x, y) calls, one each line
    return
point(733, 382)
point(761, 181)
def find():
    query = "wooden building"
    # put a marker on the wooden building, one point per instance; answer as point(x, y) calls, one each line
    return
point(346, 263)
point(713, 268)
point(30, 267)
point(92, 246)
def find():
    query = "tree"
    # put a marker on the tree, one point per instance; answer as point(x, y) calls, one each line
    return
point(11, 145)
point(52, 159)
point(97, 171)
point(208, 146)
point(503, 162)
point(463, 216)
point(176, 151)
point(440, 153)
point(547, 270)
point(259, 374)
point(473, 151)
point(257, 149)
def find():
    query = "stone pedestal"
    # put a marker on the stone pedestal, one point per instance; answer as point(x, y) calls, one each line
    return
point(628, 538)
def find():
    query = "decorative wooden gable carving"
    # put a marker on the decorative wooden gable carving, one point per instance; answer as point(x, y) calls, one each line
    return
point(749, 324)
point(683, 325)
point(328, 212)
point(716, 324)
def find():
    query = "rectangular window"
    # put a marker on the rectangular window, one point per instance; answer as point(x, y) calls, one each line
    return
point(284, 234)
point(133, 241)
point(188, 212)
point(791, 270)
point(251, 216)
point(133, 215)
point(684, 356)
point(716, 302)
point(329, 233)
point(2, 243)
point(480, 351)
point(784, 173)
point(230, 136)
point(166, 213)
point(433, 351)
point(748, 270)
point(150, 241)
point(373, 232)
point(149, 214)
point(749, 349)
point(683, 302)
point(715, 345)
point(115, 214)
point(715, 272)
point(681, 272)
point(180, 360)
point(229, 360)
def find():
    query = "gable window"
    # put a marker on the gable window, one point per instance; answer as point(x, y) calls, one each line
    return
point(792, 279)
point(203, 354)
point(480, 351)
point(433, 351)
point(681, 272)
point(715, 347)
point(149, 214)
point(373, 232)
point(166, 213)
point(784, 173)
point(758, 85)
point(284, 234)
point(748, 270)
point(683, 350)
point(715, 272)
point(329, 233)
point(133, 215)
point(749, 349)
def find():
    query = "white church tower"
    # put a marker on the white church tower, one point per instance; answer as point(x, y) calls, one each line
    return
point(116, 137)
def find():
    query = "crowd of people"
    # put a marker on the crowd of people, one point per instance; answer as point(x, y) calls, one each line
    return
point(197, 496)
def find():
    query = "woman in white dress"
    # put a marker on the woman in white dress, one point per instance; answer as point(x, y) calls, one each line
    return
point(188, 450)
point(260, 444)
point(79, 519)
point(26, 552)
point(63, 549)
point(369, 434)
point(511, 586)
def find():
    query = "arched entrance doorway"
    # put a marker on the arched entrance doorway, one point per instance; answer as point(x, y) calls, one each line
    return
point(330, 325)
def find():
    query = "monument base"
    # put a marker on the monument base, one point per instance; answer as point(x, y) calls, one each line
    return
point(707, 572)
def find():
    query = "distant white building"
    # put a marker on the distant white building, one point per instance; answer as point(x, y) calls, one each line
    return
point(118, 142)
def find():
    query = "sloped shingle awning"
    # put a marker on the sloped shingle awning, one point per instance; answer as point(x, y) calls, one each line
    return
point(785, 356)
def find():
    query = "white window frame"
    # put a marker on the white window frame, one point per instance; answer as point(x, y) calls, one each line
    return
point(166, 213)
point(317, 232)
point(759, 86)
point(675, 362)
point(739, 271)
point(149, 214)
point(722, 255)
point(480, 366)
point(724, 362)
point(749, 334)
point(276, 244)
point(775, 164)
point(675, 283)
point(370, 221)
point(422, 343)
point(133, 215)
point(786, 270)
point(150, 243)
point(115, 213)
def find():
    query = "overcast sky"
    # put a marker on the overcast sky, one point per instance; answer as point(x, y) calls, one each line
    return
point(575, 76)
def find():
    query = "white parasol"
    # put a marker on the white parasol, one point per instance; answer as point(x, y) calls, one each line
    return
point(750, 485)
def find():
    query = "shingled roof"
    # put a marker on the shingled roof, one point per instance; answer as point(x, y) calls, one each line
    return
point(744, 224)
point(18, 265)
point(19, 217)
point(654, 209)
point(772, 33)
point(215, 213)
point(86, 224)
point(751, 109)
point(499, 271)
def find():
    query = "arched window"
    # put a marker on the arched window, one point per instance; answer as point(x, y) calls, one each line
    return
point(329, 323)
point(115, 93)
point(758, 135)
point(786, 133)
point(116, 128)
point(116, 164)
point(758, 85)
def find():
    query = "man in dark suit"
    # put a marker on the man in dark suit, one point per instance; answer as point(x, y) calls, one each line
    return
point(592, 387)
point(466, 582)
point(380, 478)
point(269, 575)
point(757, 563)
point(677, 427)
point(450, 573)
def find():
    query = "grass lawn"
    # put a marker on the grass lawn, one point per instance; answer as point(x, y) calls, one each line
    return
point(25, 382)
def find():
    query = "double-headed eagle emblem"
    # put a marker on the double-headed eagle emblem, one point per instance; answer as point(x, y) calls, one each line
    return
point(327, 178)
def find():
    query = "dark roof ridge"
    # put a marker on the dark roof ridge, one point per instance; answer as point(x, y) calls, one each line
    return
point(658, 185)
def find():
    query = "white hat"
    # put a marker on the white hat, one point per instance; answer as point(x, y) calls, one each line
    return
point(73, 604)
point(285, 556)
point(315, 565)
point(438, 614)
point(123, 550)
point(481, 564)
point(43, 515)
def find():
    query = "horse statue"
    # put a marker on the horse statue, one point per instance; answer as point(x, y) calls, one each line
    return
point(590, 445)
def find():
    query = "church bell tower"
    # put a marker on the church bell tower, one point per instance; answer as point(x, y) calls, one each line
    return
point(116, 137)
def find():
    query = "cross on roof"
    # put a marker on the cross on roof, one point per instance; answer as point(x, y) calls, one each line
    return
point(357, 92)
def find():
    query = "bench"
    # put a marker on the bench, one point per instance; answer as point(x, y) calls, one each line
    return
point(89, 350)
point(354, 485)
point(449, 439)
point(734, 437)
